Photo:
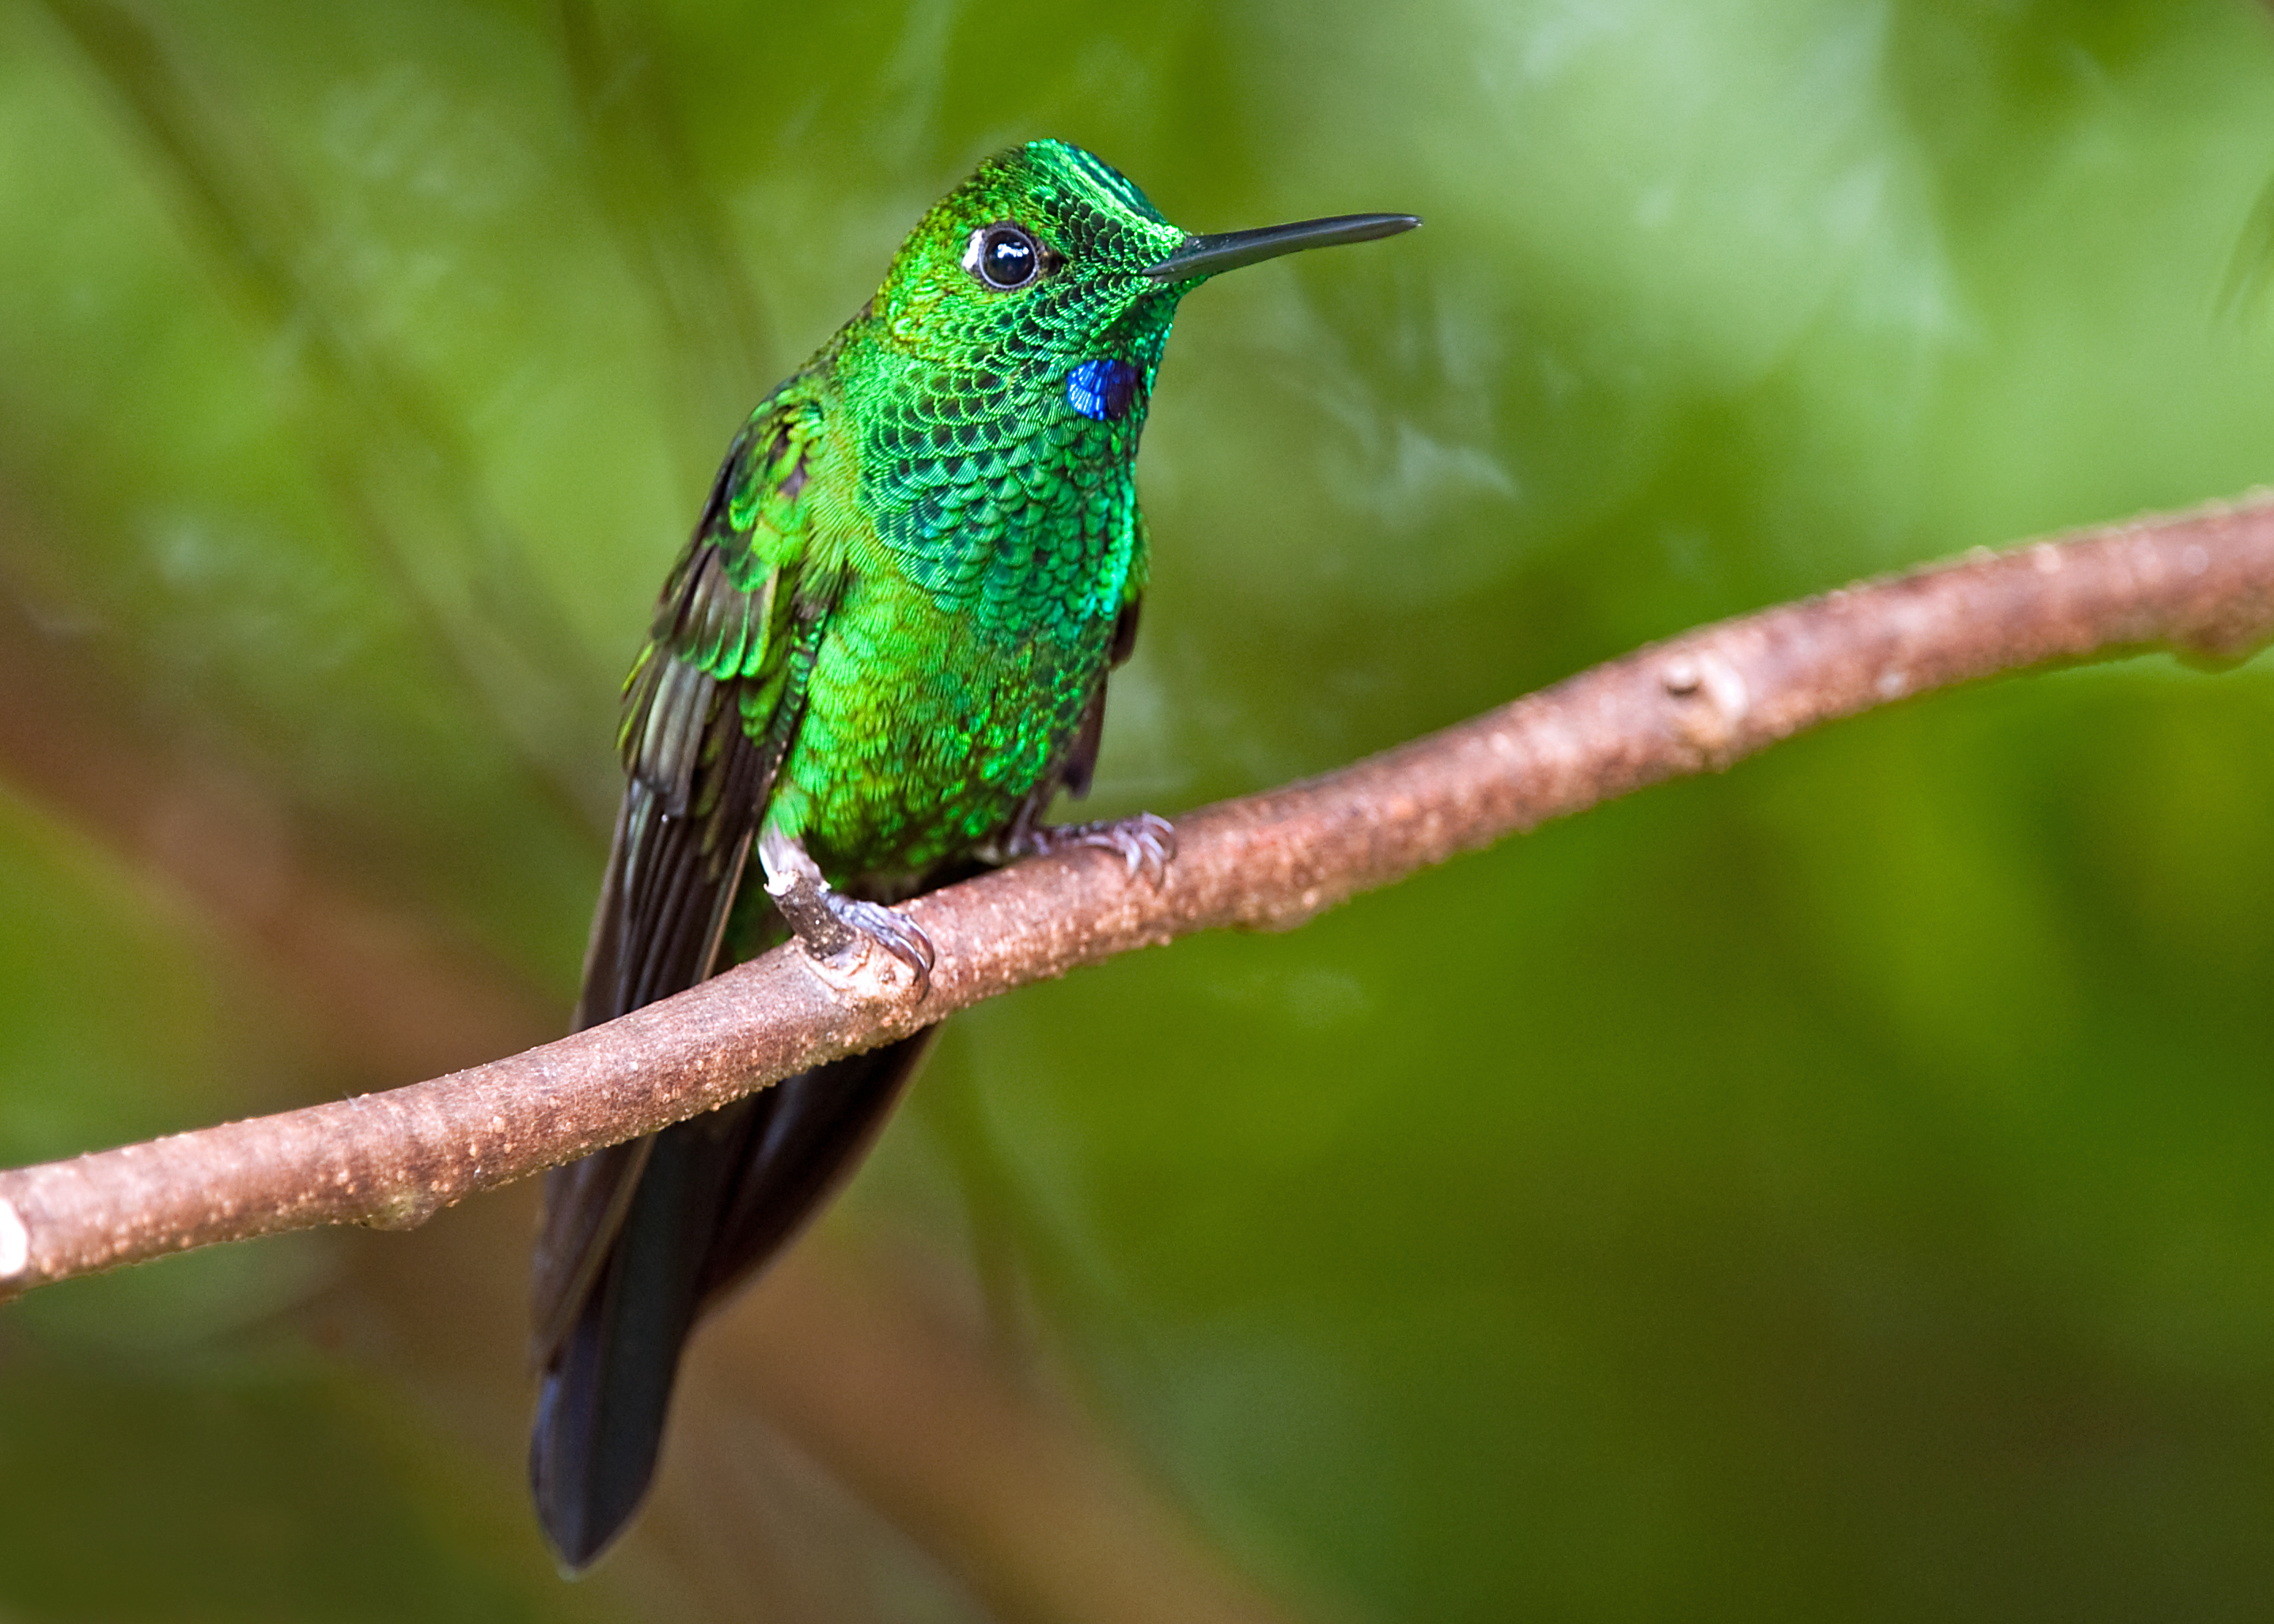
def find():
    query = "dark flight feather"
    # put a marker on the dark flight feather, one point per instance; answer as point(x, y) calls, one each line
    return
point(640, 1239)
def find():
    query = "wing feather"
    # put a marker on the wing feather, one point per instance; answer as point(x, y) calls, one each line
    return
point(699, 758)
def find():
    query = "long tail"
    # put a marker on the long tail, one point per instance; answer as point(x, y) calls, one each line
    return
point(703, 1205)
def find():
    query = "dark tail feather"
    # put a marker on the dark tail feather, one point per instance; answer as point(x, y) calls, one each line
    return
point(720, 1195)
point(601, 1409)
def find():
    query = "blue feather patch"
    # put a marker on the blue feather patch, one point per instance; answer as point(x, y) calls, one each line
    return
point(1102, 389)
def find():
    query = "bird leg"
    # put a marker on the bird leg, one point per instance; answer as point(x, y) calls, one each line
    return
point(1145, 842)
point(830, 923)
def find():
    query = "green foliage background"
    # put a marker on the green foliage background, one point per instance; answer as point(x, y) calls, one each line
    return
point(1836, 1189)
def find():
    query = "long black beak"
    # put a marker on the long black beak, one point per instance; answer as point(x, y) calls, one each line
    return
point(1205, 256)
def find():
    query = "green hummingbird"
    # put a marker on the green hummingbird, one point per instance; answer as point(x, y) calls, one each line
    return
point(880, 658)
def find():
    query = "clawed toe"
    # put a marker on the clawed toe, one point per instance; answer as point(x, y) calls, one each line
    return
point(1145, 842)
point(893, 931)
point(830, 925)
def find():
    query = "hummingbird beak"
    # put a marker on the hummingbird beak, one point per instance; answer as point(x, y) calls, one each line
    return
point(1205, 256)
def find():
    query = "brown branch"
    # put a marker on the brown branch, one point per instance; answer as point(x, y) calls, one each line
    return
point(2202, 582)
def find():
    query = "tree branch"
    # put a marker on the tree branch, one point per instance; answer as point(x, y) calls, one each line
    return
point(2202, 582)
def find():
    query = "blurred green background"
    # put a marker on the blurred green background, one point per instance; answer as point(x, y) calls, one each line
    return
point(1837, 1189)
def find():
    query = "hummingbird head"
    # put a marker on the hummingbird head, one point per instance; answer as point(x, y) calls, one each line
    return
point(1001, 375)
point(1053, 270)
point(1033, 269)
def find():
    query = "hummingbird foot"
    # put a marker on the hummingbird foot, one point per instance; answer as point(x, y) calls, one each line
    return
point(1145, 842)
point(830, 924)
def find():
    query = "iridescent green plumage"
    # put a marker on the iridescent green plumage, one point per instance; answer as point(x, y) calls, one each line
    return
point(881, 657)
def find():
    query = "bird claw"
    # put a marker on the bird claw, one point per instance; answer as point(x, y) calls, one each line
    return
point(828, 925)
point(1145, 842)
point(889, 928)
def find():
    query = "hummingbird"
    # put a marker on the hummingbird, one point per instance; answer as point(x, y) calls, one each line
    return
point(877, 662)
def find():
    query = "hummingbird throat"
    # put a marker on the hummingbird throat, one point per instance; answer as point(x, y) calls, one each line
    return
point(1103, 391)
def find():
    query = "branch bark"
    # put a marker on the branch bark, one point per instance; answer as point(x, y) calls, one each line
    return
point(2201, 583)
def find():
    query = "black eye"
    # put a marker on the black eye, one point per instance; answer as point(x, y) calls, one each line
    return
point(1002, 255)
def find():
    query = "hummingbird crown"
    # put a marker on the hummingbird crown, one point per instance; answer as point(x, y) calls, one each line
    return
point(1039, 253)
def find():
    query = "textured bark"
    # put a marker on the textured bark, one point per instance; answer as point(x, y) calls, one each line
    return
point(2203, 583)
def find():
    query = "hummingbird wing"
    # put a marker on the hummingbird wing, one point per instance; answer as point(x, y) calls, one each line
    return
point(698, 774)
point(639, 1239)
point(1073, 773)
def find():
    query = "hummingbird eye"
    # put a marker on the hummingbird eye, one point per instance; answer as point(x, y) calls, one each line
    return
point(1002, 255)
